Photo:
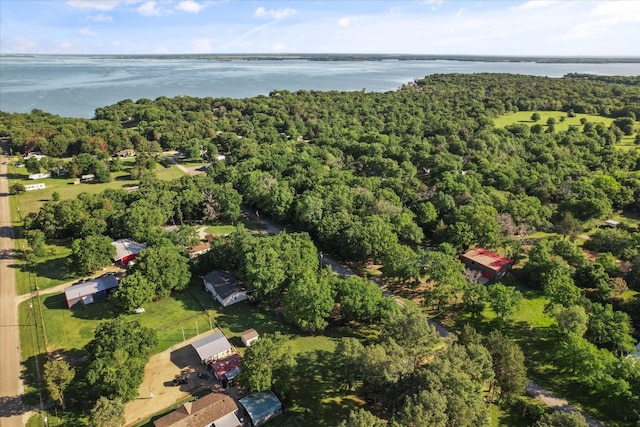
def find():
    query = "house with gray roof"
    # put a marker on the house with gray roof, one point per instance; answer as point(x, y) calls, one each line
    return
point(225, 287)
point(213, 347)
point(90, 291)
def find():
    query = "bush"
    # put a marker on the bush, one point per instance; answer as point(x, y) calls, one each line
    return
point(17, 188)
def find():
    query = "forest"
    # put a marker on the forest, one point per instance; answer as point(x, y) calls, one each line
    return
point(404, 180)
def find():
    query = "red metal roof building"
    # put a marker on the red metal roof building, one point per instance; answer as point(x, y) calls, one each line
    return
point(492, 266)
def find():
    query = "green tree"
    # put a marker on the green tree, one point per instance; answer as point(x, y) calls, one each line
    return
point(561, 419)
point(359, 299)
point(308, 302)
point(504, 299)
point(17, 188)
point(535, 117)
point(116, 358)
point(133, 291)
point(36, 240)
point(346, 360)
point(164, 267)
point(91, 253)
point(361, 418)
point(107, 413)
point(571, 320)
point(267, 364)
point(32, 165)
point(410, 329)
point(58, 375)
point(508, 365)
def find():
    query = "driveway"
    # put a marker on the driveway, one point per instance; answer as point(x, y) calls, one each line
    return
point(11, 408)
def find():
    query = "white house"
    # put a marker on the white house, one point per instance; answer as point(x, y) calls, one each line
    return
point(213, 347)
point(225, 287)
point(40, 175)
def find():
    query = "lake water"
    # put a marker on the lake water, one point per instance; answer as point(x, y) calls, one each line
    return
point(75, 86)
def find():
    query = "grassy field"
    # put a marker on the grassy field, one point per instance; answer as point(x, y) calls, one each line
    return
point(317, 398)
point(524, 117)
point(31, 201)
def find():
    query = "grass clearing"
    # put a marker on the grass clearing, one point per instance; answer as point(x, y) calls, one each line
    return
point(563, 121)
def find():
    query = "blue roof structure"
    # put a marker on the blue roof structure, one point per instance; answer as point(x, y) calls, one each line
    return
point(261, 406)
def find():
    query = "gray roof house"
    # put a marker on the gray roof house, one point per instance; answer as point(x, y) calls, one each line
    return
point(213, 347)
point(90, 291)
point(261, 407)
point(127, 250)
point(225, 287)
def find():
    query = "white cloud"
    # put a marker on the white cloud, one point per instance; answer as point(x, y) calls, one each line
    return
point(101, 18)
point(149, 9)
point(93, 4)
point(281, 48)
point(200, 46)
point(532, 4)
point(345, 22)
point(65, 47)
point(278, 14)
point(19, 44)
point(87, 31)
point(189, 6)
point(603, 17)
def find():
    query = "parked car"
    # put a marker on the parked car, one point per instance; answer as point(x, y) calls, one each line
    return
point(203, 375)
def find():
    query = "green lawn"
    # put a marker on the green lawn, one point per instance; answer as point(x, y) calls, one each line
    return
point(524, 117)
point(31, 201)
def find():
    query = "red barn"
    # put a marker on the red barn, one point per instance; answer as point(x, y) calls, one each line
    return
point(492, 266)
point(126, 251)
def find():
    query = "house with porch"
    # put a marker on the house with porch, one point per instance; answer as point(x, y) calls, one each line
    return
point(492, 266)
point(212, 410)
point(225, 287)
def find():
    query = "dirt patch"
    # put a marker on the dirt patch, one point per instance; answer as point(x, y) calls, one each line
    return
point(157, 391)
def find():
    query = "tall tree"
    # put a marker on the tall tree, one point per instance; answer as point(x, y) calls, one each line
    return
point(508, 365)
point(107, 413)
point(58, 375)
point(91, 253)
point(267, 364)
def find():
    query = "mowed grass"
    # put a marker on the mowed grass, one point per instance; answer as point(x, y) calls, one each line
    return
point(524, 117)
point(31, 201)
point(317, 397)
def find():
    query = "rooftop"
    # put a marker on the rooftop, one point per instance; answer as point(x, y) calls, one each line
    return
point(201, 412)
point(211, 345)
point(487, 258)
point(126, 247)
point(259, 405)
point(91, 287)
point(228, 365)
point(225, 284)
point(249, 334)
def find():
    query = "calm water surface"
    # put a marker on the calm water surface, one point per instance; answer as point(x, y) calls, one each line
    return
point(76, 86)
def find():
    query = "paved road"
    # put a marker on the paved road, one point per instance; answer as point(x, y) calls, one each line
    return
point(558, 403)
point(11, 389)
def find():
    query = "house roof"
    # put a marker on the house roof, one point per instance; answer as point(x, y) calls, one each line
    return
point(226, 365)
point(259, 405)
point(487, 258)
point(225, 284)
point(202, 246)
point(127, 247)
point(249, 334)
point(214, 407)
point(91, 287)
point(211, 345)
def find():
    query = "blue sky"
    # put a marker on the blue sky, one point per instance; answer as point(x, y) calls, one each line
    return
point(538, 27)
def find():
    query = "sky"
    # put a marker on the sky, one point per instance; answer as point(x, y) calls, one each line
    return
point(443, 27)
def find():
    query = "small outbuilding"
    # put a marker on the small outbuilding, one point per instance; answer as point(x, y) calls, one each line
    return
point(126, 251)
point(492, 266)
point(199, 249)
point(261, 407)
point(225, 287)
point(90, 291)
point(249, 336)
point(612, 223)
point(212, 410)
point(213, 347)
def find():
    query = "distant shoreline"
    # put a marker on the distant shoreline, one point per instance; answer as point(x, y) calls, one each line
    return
point(351, 57)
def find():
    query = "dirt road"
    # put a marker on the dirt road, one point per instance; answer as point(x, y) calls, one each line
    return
point(11, 408)
point(558, 403)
